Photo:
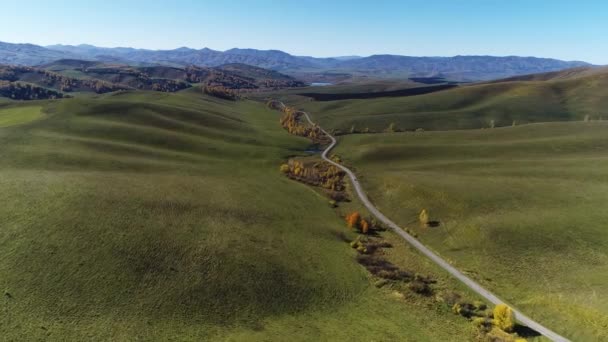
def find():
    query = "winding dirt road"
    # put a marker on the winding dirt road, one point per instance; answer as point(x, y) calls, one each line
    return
point(523, 319)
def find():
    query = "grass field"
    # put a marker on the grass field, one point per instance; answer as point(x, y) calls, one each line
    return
point(19, 115)
point(521, 210)
point(143, 215)
point(466, 107)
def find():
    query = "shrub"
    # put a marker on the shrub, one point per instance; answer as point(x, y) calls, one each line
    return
point(449, 297)
point(479, 305)
point(381, 282)
point(284, 168)
point(464, 309)
point(498, 335)
point(504, 318)
point(420, 287)
point(362, 249)
point(221, 92)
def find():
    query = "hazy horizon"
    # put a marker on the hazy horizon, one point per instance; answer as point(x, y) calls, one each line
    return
point(545, 29)
point(278, 49)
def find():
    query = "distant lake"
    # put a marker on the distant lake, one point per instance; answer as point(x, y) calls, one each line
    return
point(319, 84)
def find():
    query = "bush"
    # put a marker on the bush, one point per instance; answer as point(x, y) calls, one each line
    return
point(464, 309)
point(284, 168)
point(482, 323)
point(497, 335)
point(449, 297)
point(479, 305)
point(504, 318)
point(221, 92)
point(420, 287)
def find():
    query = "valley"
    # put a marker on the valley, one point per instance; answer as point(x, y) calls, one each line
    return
point(303, 171)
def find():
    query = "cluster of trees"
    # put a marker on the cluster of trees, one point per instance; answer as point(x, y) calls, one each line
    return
point(114, 79)
point(355, 221)
point(218, 78)
point(24, 91)
point(55, 80)
point(292, 121)
point(138, 79)
point(392, 128)
point(221, 92)
point(321, 174)
point(165, 85)
point(498, 325)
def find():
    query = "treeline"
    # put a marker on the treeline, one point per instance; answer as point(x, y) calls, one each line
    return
point(221, 92)
point(138, 78)
point(317, 173)
point(51, 79)
point(23, 91)
point(292, 121)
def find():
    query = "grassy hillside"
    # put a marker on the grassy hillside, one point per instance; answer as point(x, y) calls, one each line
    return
point(557, 75)
point(473, 106)
point(146, 215)
point(19, 115)
point(520, 210)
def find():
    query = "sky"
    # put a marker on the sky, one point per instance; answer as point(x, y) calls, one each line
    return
point(568, 30)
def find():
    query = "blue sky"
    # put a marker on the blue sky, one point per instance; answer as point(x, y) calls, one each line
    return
point(571, 30)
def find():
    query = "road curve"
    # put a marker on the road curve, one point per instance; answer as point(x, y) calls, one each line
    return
point(523, 319)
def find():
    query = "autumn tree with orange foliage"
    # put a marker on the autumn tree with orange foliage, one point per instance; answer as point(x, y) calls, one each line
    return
point(352, 219)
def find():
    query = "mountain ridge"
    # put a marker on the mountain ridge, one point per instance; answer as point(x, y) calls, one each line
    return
point(459, 67)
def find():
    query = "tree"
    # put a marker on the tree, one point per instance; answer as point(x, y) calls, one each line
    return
point(424, 217)
point(504, 318)
point(353, 219)
point(364, 226)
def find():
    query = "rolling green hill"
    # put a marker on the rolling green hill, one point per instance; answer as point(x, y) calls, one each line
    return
point(520, 210)
point(472, 106)
point(557, 75)
point(148, 215)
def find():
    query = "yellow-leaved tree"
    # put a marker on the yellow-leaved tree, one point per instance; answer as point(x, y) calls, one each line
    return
point(424, 217)
point(504, 318)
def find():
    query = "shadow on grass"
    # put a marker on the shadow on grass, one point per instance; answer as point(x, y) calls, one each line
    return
point(525, 331)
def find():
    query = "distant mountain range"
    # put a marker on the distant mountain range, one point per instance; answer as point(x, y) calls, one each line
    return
point(461, 68)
